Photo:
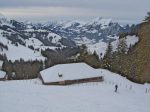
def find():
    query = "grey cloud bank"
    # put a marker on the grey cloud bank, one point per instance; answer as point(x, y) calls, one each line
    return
point(123, 11)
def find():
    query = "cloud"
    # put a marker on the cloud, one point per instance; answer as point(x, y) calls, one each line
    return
point(114, 4)
point(127, 10)
point(45, 11)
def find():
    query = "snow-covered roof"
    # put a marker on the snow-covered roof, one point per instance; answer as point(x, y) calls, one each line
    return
point(2, 74)
point(68, 72)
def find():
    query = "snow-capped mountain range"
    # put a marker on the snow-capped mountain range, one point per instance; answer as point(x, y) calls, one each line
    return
point(95, 34)
point(88, 32)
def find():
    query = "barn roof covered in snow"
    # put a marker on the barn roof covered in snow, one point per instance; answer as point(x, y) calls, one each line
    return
point(2, 74)
point(68, 72)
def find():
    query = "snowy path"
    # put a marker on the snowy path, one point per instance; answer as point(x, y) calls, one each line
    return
point(28, 96)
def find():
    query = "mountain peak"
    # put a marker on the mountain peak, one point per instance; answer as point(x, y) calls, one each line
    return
point(4, 20)
point(100, 21)
point(2, 16)
point(97, 19)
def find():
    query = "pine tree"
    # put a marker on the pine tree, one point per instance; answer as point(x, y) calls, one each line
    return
point(83, 49)
point(96, 55)
point(108, 57)
point(109, 51)
point(121, 51)
point(147, 18)
point(122, 46)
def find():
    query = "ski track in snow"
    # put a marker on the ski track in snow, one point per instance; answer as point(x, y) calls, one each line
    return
point(32, 96)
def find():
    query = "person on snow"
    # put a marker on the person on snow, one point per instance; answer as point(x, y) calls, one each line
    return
point(116, 88)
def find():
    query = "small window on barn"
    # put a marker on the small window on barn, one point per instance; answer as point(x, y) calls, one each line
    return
point(60, 75)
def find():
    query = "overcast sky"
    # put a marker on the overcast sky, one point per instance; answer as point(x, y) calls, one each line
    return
point(123, 11)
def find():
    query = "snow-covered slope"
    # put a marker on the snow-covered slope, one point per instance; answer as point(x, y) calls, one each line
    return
point(130, 41)
point(33, 42)
point(37, 44)
point(100, 47)
point(54, 38)
point(31, 96)
point(17, 52)
point(24, 40)
point(47, 40)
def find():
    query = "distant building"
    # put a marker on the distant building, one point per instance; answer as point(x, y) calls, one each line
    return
point(66, 74)
point(2, 75)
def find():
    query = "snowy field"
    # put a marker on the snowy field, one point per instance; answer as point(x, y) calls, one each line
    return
point(32, 96)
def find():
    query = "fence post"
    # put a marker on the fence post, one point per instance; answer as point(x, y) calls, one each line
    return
point(109, 82)
point(97, 83)
point(130, 87)
point(146, 90)
point(120, 84)
point(113, 83)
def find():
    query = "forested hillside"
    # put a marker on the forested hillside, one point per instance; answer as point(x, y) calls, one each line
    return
point(136, 63)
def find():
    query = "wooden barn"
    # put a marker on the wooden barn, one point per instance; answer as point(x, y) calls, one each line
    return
point(2, 75)
point(66, 74)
